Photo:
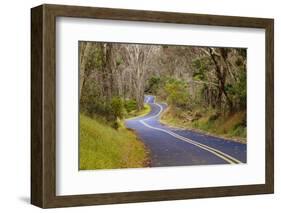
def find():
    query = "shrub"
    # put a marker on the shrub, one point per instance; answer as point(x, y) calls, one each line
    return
point(214, 116)
point(177, 93)
point(130, 105)
point(117, 107)
point(238, 91)
point(200, 68)
point(153, 85)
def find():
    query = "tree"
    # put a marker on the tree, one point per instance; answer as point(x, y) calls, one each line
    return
point(84, 49)
point(183, 75)
point(177, 93)
point(138, 58)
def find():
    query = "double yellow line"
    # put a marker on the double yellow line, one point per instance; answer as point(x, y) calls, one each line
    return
point(214, 151)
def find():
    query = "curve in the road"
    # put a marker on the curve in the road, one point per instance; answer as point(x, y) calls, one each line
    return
point(202, 154)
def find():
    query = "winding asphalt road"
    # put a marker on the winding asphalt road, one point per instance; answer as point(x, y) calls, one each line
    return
point(177, 147)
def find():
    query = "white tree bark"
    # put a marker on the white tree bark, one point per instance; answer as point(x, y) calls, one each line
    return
point(138, 57)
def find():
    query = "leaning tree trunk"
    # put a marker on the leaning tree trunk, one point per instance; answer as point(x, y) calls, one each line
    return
point(221, 75)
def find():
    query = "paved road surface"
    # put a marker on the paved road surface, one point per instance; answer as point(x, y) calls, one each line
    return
point(177, 147)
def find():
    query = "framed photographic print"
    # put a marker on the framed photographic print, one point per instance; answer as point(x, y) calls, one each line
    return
point(136, 106)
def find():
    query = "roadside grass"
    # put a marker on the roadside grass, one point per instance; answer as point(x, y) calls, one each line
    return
point(207, 121)
point(135, 113)
point(103, 147)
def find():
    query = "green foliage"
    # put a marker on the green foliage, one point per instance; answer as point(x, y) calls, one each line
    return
point(200, 68)
point(239, 131)
point(231, 126)
point(217, 81)
point(137, 113)
point(241, 88)
point(91, 103)
point(177, 94)
point(214, 116)
point(154, 84)
point(130, 105)
point(94, 60)
point(117, 107)
point(102, 147)
point(238, 91)
point(88, 99)
point(119, 61)
point(172, 90)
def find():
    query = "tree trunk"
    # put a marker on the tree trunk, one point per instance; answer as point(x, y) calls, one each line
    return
point(83, 61)
point(107, 75)
point(221, 75)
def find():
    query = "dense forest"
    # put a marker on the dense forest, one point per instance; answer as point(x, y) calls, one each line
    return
point(204, 87)
point(192, 80)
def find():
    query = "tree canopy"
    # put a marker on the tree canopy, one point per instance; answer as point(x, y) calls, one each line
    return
point(114, 77)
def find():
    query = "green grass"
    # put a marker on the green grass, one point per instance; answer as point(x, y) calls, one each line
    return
point(133, 114)
point(102, 147)
point(222, 126)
